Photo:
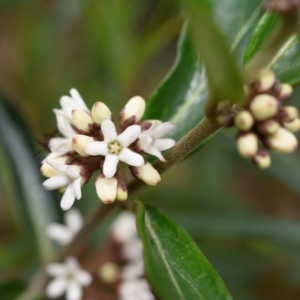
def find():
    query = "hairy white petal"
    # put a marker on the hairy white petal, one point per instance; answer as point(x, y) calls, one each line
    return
point(96, 148)
point(162, 129)
point(73, 171)
point(163, 144)
point(110, 165)
point(68, 198)
point(129, 135)
point(56, 288)
point(153, 151)
point(59, 233)
point(131, 158)
point(74, 291)
point(59, 167)
point(108, 129)
point(64, 126)
point(56, 182)
point(78, 99)
point(77, 188)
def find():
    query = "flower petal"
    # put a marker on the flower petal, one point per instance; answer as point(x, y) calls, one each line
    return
point(73, 171)
point(155, 152)
point(55, 142)
point(129, 135)
point(74, 291)
point(55, 269)
point(77, 188)
point(64, 126)
point(78, 99)
point(96, 148)
point(59, 233)
point(59, 167)
point(163, 144)
point(56, 288)
point(131, 158)
point(72, 264)
point(162, 129)
point(84, 278)
point(56, 182)
point(110, 165)
point(73, 219)
point(108, 129)
point(68, 198)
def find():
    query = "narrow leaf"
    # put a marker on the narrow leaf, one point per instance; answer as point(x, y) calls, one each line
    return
point(175, 266)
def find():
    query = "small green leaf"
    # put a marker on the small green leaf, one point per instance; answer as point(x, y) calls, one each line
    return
point(175, 266)
point(224, 79)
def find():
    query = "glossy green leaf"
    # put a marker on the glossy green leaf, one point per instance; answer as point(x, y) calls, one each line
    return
point(175, 266)
point(37, 202)
point(223, 76)
point(181, 95)
point(286, 64)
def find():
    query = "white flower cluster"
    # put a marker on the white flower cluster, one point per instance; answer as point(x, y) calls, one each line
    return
point(90, 142)
point(266, 120)
point(133, 285)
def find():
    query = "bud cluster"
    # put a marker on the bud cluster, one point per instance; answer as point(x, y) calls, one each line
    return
point(265, 123)
point(91, 143)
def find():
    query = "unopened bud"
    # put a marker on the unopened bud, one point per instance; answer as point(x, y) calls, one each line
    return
point(148, 123)
point(267, 127)
point(292, 126)
point(133, 111)
point(79, 142)
point(282, 141)
point(81, 119)
point(247, 144)
point(262, 158)
point(243, 120)
point(122, 193)
point(286, 91)
point(109, 272)
point(100, 112)
point(264, 106)
point(146, 173)
point(48, 171)
point(266, 80)
point(225, 120)
point(106, 189)
point(287, 114)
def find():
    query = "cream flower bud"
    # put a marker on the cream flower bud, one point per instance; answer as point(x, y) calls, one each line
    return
point(243, 120)
point(292, 126)
point(48, 171)
point(268, 127)
point(288, 114)
point(286, 91)
point(122, 193)
point(109, 272)
point(81, 119)
point(133, 111)
point(282, 141)
point(262, 159)
point(106, 189)
point(100, 112)
point(79, 142)
point(264, 107)
point(266, 80)
point(247, 144)
point(147, 173)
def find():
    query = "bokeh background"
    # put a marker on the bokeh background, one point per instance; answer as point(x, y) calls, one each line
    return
point(246, 221)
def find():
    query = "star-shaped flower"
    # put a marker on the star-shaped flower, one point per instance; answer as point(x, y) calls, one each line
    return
point(64, 234)
point(69, 279)
point(68, 176)
point(115, 147)
point(150, 140)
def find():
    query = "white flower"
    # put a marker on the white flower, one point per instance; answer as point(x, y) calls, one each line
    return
point(137, 289)
point(115, 147)
point(68, 104)
point(69, 279)
point(64, 234)
point(133, 270)
point(150, 140)
point(68, 176)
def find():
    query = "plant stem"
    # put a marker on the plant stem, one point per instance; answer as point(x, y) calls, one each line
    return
point(263, 58)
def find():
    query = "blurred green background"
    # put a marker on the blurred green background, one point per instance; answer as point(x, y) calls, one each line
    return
point(246, 221)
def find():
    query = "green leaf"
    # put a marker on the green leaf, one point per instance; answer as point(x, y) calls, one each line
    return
point(286, 64)
point(37, 202)
point(174, 264)
point(11, 289)
point(224, 79)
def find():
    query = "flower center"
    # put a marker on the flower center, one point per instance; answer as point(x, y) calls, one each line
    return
point(69, 276)
point(114, 147)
